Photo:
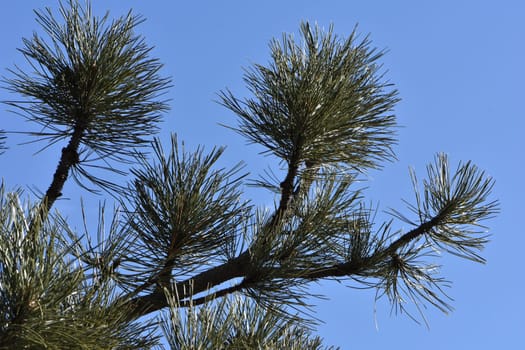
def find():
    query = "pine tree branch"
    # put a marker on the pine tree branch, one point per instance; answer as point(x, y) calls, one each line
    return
point(68, 159)
point(240, 267)
point(357, 267)
point(156, 300)
point(94, 85)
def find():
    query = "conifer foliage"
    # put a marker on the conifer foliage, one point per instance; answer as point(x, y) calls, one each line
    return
point(187, 262)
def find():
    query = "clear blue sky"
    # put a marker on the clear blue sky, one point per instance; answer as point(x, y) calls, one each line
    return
point(459, 68)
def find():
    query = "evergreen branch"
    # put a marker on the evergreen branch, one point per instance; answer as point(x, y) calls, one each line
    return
point(68, 159)
point(321, 106)
point(93, 84)
point(256, 264)
point(182, 211)
point(368, 258)
point(46, 300)
point(320, 102)
point(362, 266)
point(454, 207)
point(357, 78)
point(204, 281)
point(238, 267)
point(234, 323)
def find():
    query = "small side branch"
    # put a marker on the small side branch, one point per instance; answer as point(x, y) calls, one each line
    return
point(359, 267)
point(68, 159)
point(412, 235)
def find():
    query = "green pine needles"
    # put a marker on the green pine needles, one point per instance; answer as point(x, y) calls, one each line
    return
point(185, 256)
point(182, 210)
point(92, 77)
point(47, 299)
point(234, 323)
point(320, 101)
point(94, 85)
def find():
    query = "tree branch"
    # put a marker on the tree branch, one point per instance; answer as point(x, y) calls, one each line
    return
point(156, 300)
point(68, 159)
point(355, 267)
point(287, 187)
point(239, 267)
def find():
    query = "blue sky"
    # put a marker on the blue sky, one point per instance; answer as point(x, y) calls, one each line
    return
point(458, 66)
